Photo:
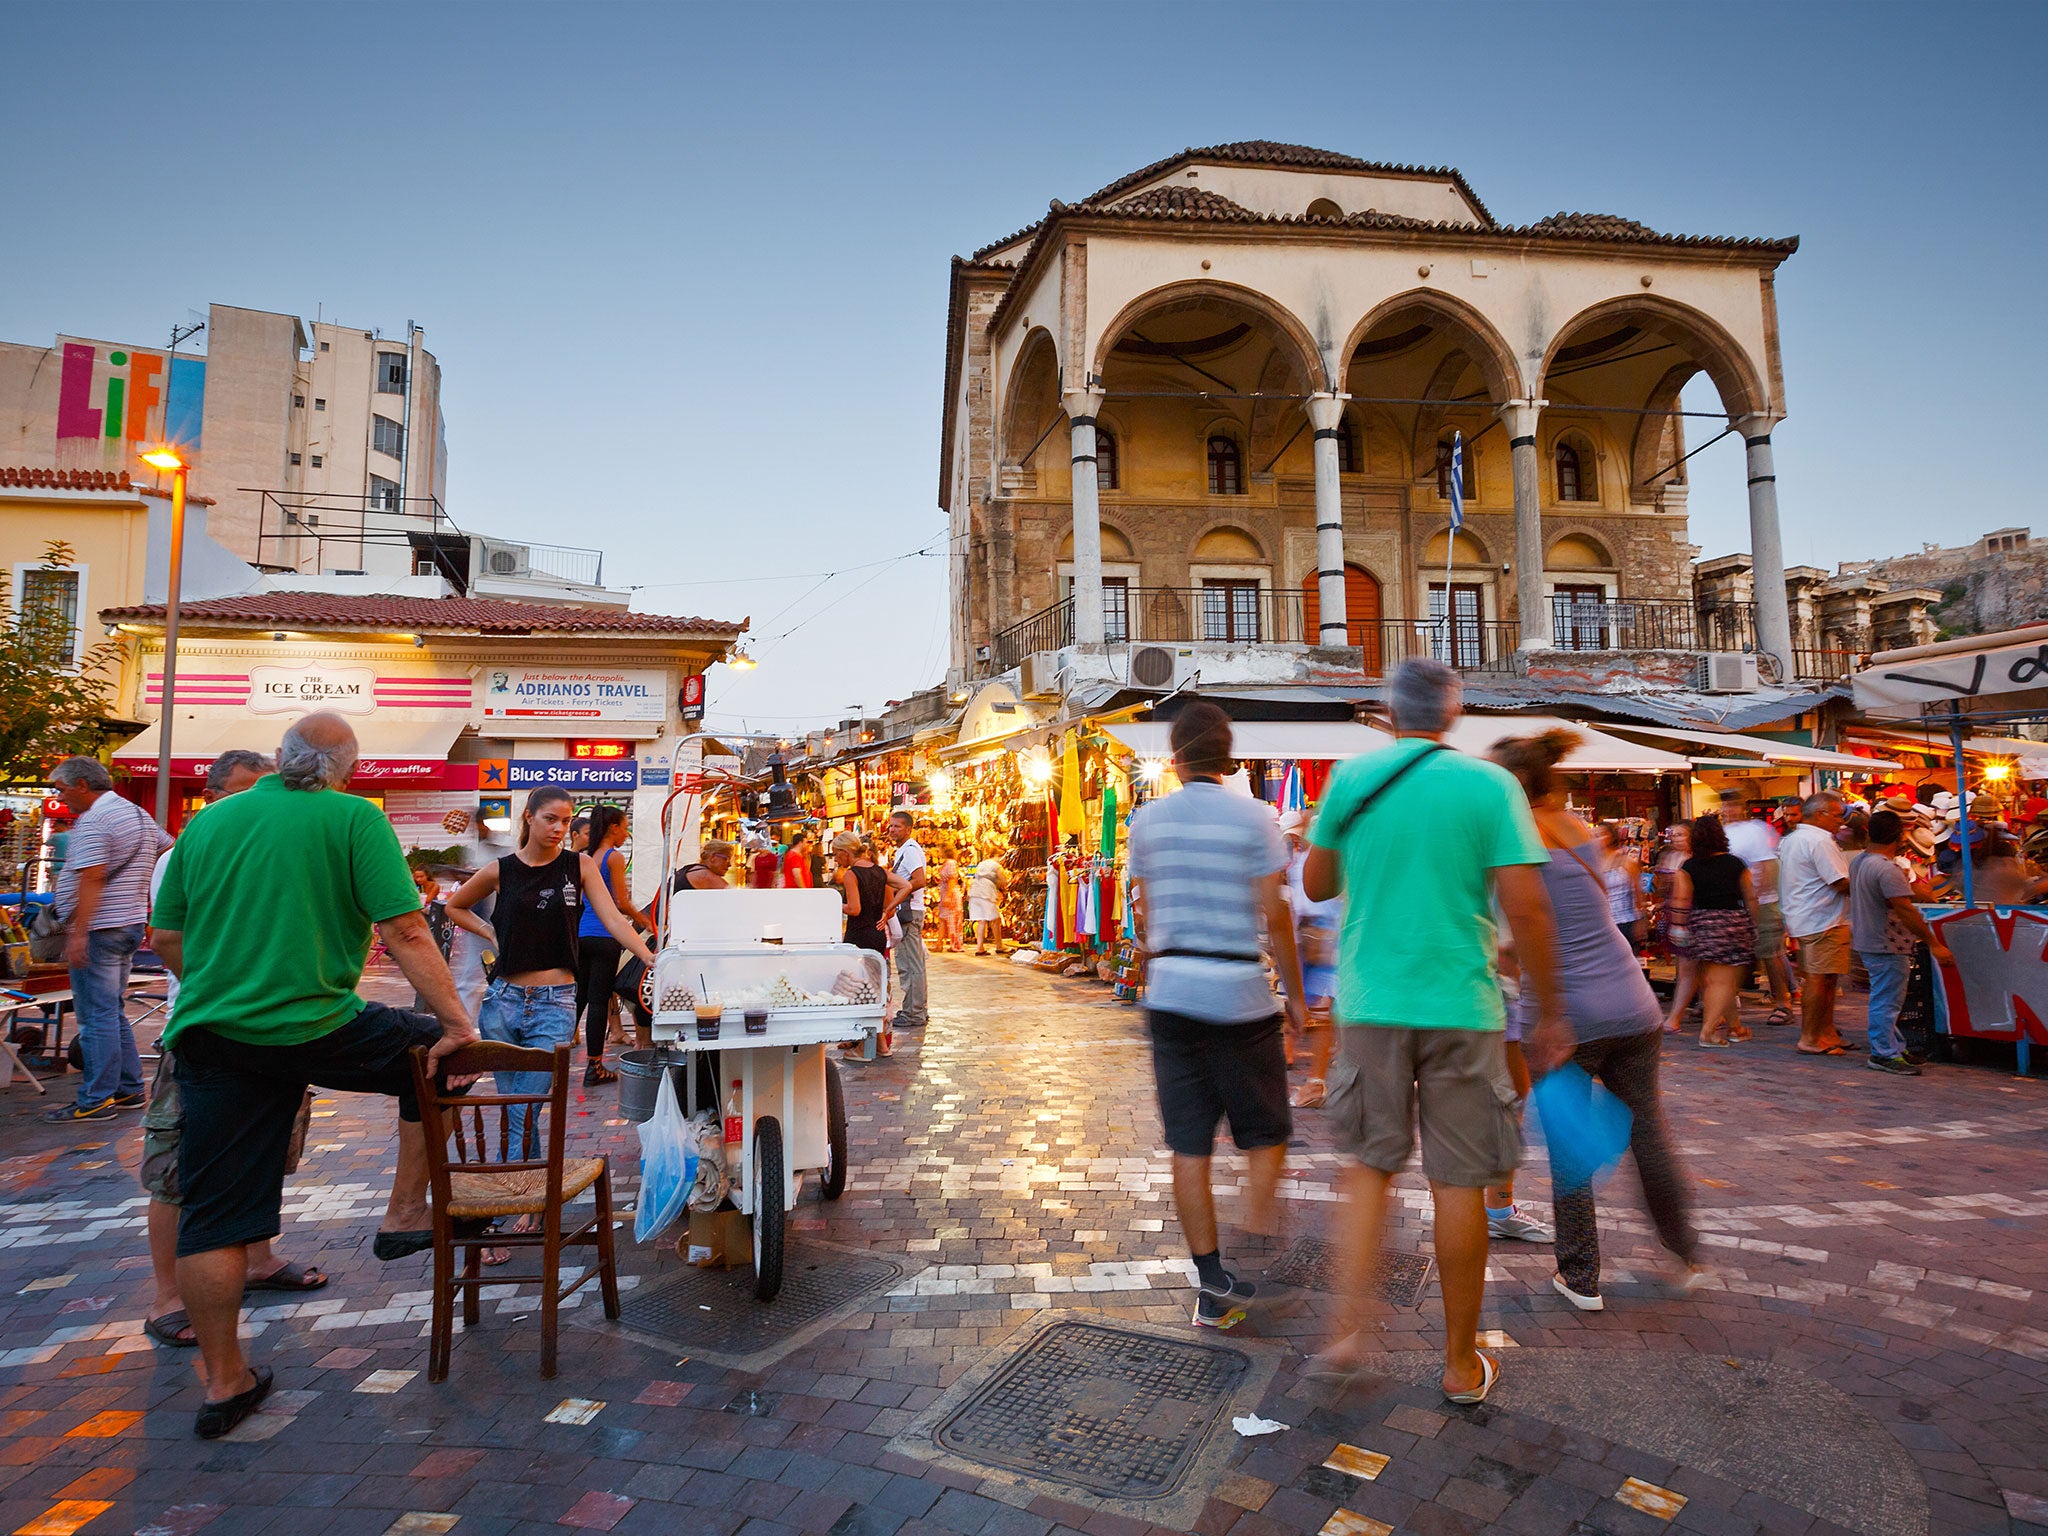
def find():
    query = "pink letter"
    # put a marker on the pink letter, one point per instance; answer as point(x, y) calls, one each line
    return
point(77, 416)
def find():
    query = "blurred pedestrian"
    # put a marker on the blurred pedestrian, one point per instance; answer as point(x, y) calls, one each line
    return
point(1713, 900)
point(796, 861)
point(1884, 926)
point(985, 904)
point(864, 891)
point(1751, 839)
point(1613, 1018)
point(1813, 889)
point(1623, 879)
point(1677, 849)
point(1206, 866)
point(948, 900)
point(103, 898)
point(1422, 841)
point(597, 950)
point(908, 863)
point(1315, 940)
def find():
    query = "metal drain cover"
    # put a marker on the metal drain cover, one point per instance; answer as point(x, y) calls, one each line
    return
point(711, 1314)
point(1109, 1410)
point(1312, 1264)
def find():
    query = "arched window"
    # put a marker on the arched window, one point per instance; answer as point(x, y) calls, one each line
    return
point(1324, 208)
point(1573, 482)
point(1443, 469)
point(1105, 460)
point(1226, 467)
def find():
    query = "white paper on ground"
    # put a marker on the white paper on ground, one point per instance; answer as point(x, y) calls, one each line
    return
point(1252, 1424)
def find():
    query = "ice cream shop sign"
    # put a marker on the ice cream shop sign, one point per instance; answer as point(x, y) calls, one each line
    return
point(293, 690)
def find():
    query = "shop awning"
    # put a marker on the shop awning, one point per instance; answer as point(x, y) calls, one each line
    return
point(1761, 746)
point(391, 751)
point(1597, 752)
point(1263, 739)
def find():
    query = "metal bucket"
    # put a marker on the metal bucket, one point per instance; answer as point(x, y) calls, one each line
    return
point(640, 1081)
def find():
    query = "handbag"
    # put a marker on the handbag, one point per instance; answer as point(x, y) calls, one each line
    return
point(634, 986)
point(46, 934)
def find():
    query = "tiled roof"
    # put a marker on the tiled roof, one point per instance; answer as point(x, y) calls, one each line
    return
point(1298, 156)
point(24, 478)
point(340, 610)
point(1610, 224)
point(1180, 203)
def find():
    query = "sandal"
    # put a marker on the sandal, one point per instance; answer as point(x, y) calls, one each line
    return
point(597, 1072)
point(1489, 1374)
point(1826, 1050)
point(1309, 1095)
point(1778, 1016)
point(289, 1277)
point(173, 1329)
point(216, 1419)
point(1713, 1045)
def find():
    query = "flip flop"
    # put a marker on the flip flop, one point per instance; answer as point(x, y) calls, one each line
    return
point(289, 1277)
point(216, 1419)
point(1779, 1016)
point(1490, 1373)
point(1826, 1050)
point(173, 1329)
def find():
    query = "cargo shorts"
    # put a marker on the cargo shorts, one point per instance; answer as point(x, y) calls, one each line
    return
point(1455, 1081)
point(163, 1133)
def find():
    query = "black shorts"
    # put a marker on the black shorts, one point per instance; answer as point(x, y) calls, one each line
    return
point(1210, 1072)
point(240, 1101)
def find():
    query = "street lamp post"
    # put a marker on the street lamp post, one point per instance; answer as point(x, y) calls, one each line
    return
point(169, 459)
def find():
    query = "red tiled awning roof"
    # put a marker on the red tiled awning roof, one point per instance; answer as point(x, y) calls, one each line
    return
point(24, 477)
point(393, 614)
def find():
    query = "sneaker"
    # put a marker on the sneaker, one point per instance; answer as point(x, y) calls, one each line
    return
point(1511, 1223)
point(1224, 1308)
point(1585, 1301)
point(129, 1100)
point(1914, 1057)
point(1898, 1066)
point(71, 1114)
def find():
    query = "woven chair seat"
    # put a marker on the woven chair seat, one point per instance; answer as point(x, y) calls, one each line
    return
point(520, 1192)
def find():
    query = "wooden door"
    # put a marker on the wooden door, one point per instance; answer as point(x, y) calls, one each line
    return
point(1361, 612)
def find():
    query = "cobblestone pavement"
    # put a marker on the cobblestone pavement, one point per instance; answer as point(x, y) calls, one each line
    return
point(1872, 1355)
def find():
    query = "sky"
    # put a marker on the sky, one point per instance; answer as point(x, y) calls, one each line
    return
point(684, 267)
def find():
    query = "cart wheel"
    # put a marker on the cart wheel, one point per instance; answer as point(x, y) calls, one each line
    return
point(768, 1212)
point(833, 1184)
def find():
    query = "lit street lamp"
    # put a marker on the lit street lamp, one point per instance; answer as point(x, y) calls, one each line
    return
point(168, 458)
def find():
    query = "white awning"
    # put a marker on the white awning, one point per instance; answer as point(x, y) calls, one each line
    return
point(1316, 740)
point(1759, 746)
point(1950, 671)
point(390, 751)
point(1597, 752)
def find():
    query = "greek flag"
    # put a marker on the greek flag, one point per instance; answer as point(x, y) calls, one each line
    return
point(1457, 481)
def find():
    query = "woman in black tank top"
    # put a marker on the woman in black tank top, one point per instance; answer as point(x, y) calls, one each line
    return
point(868, 893)
point(541, 891)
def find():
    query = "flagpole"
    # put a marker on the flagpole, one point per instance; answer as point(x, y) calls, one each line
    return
point(1451, 542)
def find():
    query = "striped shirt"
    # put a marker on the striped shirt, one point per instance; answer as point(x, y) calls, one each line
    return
point(119, 837)
point(1201, 853)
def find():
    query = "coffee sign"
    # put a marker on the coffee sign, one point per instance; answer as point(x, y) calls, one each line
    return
point(292, 690)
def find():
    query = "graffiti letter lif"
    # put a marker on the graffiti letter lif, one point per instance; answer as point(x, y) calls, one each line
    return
point(1998, 987)
point(77, 416)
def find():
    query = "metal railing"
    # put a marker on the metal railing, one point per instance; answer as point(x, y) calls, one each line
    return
point(1470, 645)
point(1814, 665)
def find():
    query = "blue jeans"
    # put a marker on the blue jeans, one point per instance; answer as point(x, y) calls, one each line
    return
point(1888, 974)
point(99, 991)
point(538, 1018)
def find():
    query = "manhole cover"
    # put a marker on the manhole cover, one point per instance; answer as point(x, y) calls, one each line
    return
point(711, 1314)
point(1312, 1264)
point(1108, 1410)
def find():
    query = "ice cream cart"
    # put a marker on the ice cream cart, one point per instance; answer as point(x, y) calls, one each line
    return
point(758, 986)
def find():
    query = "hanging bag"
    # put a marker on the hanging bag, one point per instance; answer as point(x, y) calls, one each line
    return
point(668, 1165)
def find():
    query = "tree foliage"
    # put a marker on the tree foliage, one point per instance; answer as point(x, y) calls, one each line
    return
point(52, 698)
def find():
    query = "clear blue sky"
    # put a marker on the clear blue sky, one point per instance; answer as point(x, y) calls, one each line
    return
point(685, 267)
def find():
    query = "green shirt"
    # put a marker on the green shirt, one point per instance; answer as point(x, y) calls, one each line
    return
point(1418, 941)
point(275, 891)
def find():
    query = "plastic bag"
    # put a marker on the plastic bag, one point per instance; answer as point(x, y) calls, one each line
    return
point(707, 1144)
point(668, 1165)
point(1586, 1127)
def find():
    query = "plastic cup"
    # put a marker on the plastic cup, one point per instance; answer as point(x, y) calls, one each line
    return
point(757, 1021)
point(708, 1015)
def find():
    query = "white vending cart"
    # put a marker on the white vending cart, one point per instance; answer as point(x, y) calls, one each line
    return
point(777, 955)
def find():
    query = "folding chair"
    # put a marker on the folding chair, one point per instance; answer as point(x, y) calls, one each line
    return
point(474, 1186)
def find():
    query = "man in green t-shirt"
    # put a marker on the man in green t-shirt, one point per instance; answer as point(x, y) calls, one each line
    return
point(265, 916)
point(1421, 841)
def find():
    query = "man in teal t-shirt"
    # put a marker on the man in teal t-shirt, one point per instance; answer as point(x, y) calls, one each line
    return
point(265, 915)
point(1421, 840)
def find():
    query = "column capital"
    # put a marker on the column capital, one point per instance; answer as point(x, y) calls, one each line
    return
point(1325, 410)
point(1082, 402)
point(1519, 416)
point(1759, 424)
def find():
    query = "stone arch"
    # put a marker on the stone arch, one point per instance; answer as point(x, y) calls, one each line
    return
point(1578, 550)
point(1742, 388)
point(1307, 356)
point(1652, 451)
point(1116, 546)
point(1429, 419)
point(1472, 549)
point(1031, 396)
point(1581, 442)
point(1226, 543)
point(1482, 343)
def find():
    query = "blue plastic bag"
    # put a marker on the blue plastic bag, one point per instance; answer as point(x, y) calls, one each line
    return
point(1585, 1127)
point(668, 1165)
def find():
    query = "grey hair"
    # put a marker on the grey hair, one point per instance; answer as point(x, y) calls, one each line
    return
point(713, 847)
point(84, 772)
point(225, 765)
point(1424, 695)
point(302, 765)
point(1817, 804)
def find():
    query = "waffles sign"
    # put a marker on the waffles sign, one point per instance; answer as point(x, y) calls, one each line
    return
point(551, 693)
point(312, 685)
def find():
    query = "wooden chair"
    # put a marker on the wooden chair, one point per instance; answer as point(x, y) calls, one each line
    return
point(474, 1186)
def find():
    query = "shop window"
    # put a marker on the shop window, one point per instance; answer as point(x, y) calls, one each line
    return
point(1226, 467)
point(1443, 470)
point(1105, 460)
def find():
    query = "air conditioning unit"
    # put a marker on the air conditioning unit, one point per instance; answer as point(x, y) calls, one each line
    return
point(1727, 672)
point(506, 560)
point(1041, 674)
point(1160, 666)
point(425, 568)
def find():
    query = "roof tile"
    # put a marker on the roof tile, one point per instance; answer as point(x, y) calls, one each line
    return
point(26, 477)
point(329, 610)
